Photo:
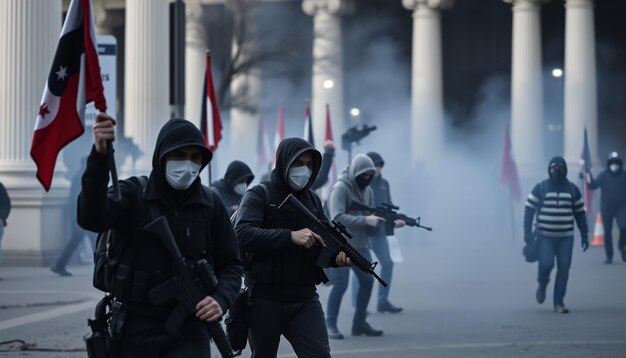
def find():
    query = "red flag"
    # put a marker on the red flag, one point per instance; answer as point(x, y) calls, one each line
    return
point(74, 80)
point(280, 129)
point(509, 175)
point(308, 125)
point(332, 174)
point(211, 121)
point(264, 154)
point(585, 160)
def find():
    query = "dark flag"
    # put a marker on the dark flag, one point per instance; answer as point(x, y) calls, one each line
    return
point(586, 169)
point(211, 121)
point(74, 81)
point(308, 125)
point(508, 173)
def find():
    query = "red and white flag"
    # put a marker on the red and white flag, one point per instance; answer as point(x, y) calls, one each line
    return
point(280, 129)
point(74, 81)
point(332, 174)
point(264, 154)
point(508, 172)
point(211, 121)
point(308, 125)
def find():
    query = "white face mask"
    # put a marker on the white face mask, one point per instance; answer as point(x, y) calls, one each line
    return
point(614, 167)
point(299, 176)
point(181, 173)
point(240, 188)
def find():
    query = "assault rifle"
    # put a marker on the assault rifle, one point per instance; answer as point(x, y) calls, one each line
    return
point(390, 213)
point(190, 284)
point(335, 237)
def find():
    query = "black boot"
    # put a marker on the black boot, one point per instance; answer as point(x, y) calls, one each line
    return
point(364, 328)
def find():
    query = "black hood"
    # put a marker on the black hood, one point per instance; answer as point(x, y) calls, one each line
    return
point(236, 172)
point(557, 160)
point(376, 158)
point(288, 151)
point(176, 133)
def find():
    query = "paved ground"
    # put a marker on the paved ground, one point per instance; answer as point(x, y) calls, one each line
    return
point(462, 298)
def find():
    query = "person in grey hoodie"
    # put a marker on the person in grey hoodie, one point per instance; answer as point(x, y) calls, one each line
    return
point(353, 186)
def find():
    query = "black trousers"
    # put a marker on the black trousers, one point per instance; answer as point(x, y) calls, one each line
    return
point(301, 322)
point(144, 338)
point(608, 215)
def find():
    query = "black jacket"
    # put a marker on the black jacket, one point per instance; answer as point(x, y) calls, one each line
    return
point(613, 187)
point(200, 224)
point(274, 260)
point(5, 204)
point(236, 172)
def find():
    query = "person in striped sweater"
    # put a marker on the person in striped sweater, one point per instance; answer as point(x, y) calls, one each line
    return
point(557, 203)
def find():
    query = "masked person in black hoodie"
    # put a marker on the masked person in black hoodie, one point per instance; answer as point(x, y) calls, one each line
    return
point(557, 203)
point(612, 181)
point(235, 182)
point(198, 221)
point(281, 256)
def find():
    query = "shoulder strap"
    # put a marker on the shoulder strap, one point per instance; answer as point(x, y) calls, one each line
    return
point(270, 205)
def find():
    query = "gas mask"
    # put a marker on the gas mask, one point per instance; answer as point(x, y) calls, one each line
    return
point(299, 176)
point(181, 173)
point(240, 188)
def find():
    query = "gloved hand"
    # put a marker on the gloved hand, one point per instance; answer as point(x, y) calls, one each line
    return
point(528, 237)
point(585, 243)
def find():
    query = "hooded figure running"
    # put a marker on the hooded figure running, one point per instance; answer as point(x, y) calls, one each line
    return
point(198, 221)
point(281, 269)
point(557, 203)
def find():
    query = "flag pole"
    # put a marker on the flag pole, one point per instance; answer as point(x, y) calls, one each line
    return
point(113, 169)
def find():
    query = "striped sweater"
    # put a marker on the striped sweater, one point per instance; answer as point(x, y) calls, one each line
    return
point(562, 203)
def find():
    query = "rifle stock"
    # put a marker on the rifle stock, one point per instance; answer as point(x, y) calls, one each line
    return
point(188, 287)
point(335, 237)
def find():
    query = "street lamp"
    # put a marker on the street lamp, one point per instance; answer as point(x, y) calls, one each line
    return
point(557, 72)
point(355, 112)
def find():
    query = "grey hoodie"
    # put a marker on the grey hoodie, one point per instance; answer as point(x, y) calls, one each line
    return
point(345, 192)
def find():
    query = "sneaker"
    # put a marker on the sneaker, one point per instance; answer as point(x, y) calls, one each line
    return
point(540, 295)
point(560, 309)
point(60, 271)
point(608, 261)
point(333, 333)
point(364, 328)
point(388, 307)
point(622, 252)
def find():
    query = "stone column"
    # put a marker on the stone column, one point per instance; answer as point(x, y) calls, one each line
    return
point(327, 65)
point(245, 89)
point(146, 64)
point(29, 34)
point(426, 80)
point(581, 107)
point(527, 90)
point(195, 60)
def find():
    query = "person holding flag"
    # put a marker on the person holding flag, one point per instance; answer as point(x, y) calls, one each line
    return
point(198, 220)
point(612, 181)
